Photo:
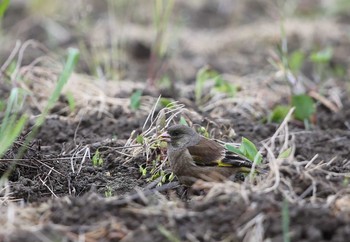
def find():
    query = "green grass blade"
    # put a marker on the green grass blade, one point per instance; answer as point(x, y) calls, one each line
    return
point(3, 7)
point(12, 132)
point(72, 60)
point(285, 221)
point(168, 234)
point(9, 109)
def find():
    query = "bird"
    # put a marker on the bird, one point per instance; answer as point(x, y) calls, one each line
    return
point(193, 156)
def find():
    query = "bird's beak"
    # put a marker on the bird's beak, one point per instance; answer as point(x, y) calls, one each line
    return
point(165, 136)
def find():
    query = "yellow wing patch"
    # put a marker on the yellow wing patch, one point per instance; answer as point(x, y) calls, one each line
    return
point(244, 169)
point(220, 163)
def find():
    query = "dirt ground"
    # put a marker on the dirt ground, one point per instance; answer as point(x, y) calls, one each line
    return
point(55, 193)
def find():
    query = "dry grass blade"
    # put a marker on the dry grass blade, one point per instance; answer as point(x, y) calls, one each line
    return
point(253, 230)
point(11, 57)
point(5, 194)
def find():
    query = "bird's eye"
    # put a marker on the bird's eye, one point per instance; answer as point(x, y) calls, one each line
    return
point(175, 133)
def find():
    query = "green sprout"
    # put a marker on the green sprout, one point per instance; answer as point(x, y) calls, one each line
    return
point(108, 192)
point(286, 153)
point(183, 121)
point(296, 61)
point(223, 86)
point(143, 170)
point(157, 172)
point(3, 7)
point(11, 125)
point(166, 102)
point(279, 113)
point(322, 56)
point(97, 159)
point(291, 64)
point(135, 100)
point(140, 139)
point(71, 101)
point(304, 107)
point(206, 74)
point(201, 130)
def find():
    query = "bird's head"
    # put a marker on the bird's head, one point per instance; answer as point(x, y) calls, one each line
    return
point(180, 136)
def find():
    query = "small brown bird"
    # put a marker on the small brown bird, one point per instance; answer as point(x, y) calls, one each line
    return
point(193, 157)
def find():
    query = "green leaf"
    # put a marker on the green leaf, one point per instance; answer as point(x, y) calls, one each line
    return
point(164, 177)
point(223, 86)
point(243, 150)
point(163, 145)
point(140, 139)
point(296, 60)
point(183, 121)
point(143, 170)
point(164, 82)
point(322, 56)
point(3, 7)
point(155, 176)
point(234, 149)
point(247, 149)
point(203, 131)
point(135, 100)
point(166, 102)
point(286, 153)
point(304, 106)
point(279, 113)
point(172, 176)
point(251, 150)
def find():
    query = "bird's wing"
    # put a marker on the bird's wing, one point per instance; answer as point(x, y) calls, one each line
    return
point(210, 153)
point(207, 152)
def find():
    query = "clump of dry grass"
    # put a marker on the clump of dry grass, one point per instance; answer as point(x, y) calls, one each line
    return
point(153, 126)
